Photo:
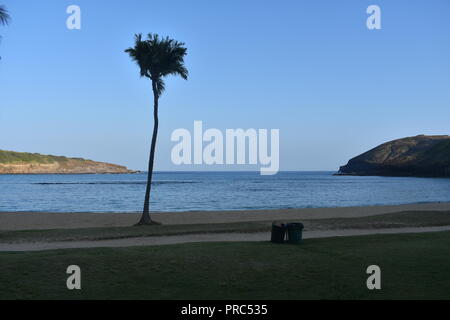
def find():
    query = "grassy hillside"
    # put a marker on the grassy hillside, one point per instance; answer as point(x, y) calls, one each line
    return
point(439, 153)
point(413, 156)
point(12, 162)
point(25, 157)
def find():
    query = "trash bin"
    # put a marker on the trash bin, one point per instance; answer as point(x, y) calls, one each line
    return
point(278, 233)
point(294, 231)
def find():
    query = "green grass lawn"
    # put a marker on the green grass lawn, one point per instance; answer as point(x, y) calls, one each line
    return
point(413, 266)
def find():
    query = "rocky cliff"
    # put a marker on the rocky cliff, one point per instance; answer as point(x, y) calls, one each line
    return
point(421, 156)
point(26, 163)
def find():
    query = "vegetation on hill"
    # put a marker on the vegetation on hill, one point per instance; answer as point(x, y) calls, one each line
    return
point(427, 156)
point(12, 162)
point(25, 157)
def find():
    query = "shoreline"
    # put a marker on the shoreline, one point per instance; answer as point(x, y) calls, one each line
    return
point(229, 210)
point(60, 220)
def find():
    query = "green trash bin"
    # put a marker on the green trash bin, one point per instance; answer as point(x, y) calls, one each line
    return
point(294, 231)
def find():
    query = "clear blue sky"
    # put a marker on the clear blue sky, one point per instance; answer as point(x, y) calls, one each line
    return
point(309, 68)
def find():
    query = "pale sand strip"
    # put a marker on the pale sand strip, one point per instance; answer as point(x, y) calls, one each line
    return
point(45, 220)
point(213, 237)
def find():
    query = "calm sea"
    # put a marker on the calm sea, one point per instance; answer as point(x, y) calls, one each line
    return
point(185, 191)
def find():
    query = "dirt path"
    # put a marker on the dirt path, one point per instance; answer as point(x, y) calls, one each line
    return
point(213, 237)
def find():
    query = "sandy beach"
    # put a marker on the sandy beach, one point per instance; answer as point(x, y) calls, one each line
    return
point(48, 220)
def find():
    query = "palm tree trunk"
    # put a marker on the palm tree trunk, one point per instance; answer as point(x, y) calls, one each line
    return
point(145, 218)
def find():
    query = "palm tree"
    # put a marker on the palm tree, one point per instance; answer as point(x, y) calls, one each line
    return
point(157, 57)
point(4, 16)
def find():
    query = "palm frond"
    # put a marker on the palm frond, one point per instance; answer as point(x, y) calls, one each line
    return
point(160, 86)
point(4, 15)
point(158, 57)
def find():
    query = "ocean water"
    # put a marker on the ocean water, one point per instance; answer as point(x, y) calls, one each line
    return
point(187, 191)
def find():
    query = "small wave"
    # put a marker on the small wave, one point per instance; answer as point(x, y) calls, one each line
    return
point(113, 182)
